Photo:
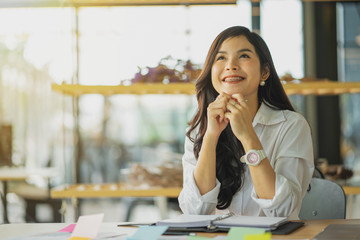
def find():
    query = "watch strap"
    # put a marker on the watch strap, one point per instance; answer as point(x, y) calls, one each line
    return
point(261, 153)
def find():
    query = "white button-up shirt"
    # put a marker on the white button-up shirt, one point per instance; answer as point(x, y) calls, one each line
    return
point(286, 138)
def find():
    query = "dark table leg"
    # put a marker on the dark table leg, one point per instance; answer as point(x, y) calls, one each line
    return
point(3, 198)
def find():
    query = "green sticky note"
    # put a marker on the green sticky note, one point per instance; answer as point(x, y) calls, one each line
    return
point(264, 236)
point(148, 233)
point(239, 233)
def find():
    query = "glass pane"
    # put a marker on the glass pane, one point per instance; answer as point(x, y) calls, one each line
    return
point(281, 28)
point(115, 43)
point(349, 62)
point(36, 50)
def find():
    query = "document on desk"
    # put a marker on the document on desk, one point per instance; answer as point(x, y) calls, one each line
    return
point(87, 226)
point(224, 221)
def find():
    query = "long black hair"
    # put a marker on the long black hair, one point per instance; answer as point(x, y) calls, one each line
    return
point(229, 169)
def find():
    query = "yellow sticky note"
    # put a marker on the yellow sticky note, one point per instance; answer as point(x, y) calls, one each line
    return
point(264, 236)
point(239, 233)
point(79, 238)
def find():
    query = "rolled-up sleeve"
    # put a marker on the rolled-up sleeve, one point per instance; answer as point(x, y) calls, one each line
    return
point(190, 199)
point(293, 163)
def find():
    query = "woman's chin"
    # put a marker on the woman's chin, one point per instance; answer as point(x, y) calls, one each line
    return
point(232, 91)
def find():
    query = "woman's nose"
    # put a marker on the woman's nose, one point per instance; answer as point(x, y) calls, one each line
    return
point(231, 65)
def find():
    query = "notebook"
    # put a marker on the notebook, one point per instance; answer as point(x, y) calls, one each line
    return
point(340, 231)
point(223, 221)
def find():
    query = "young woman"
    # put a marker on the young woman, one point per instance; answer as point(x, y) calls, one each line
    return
point(247, 151)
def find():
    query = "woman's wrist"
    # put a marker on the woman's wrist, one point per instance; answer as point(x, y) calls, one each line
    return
point(211, 139)
point(251, 142)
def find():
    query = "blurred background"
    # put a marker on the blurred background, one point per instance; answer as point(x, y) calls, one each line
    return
point(95, 138)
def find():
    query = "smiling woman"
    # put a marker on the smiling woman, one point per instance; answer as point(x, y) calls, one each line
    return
point(242, 149)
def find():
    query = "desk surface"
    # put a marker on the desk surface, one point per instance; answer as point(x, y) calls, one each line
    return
point(308, 231)
point(313, 227)
point(111, 190)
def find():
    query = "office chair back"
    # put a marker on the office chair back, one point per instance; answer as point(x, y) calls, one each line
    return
point(324, 200)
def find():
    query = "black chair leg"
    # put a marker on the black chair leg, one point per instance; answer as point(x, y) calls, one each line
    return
point(30, 211)
point(31, 204)
point(135, 202)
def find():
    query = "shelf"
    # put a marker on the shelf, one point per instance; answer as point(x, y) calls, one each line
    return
point(304, 88)
point(321, 88)
point(139, 88)
point(107, 3)
point(111, 190)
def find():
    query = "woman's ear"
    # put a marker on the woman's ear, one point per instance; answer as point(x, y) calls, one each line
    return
point(266, 73)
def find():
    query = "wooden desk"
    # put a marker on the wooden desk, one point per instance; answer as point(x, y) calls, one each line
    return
point(314, 227)
point(308, 231)
point(113, 190)
point(20, 174)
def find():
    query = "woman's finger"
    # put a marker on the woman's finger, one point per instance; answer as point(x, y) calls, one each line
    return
point(216, 112)
point(231, 106)
point(240, 98)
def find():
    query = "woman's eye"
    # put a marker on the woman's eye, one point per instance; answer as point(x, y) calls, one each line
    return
point(244, 56)
point(220, 58)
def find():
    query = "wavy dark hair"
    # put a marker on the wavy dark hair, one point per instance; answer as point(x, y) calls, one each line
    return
point(229, 169)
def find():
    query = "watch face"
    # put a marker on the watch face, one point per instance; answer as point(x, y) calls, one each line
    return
point(253, 157)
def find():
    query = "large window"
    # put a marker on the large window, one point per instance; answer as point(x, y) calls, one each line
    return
point(115, 41)
point(283, 32)
point(281, 28)
point(35, 50)
point(348, 65)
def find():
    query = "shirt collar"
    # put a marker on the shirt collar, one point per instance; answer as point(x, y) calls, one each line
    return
point(268, 116)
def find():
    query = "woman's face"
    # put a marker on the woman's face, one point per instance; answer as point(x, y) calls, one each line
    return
point(236, 68)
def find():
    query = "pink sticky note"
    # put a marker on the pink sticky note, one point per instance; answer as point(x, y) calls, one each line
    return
point(68, 229)
point(88, 226)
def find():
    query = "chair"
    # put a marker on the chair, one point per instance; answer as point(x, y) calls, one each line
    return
point(318, 174)
point(34, 197)
point(324, 200)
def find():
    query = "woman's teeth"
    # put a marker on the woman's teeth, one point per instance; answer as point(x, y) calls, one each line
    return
point(233, 79)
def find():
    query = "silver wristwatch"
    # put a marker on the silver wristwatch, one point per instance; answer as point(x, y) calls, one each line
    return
point(253, 157)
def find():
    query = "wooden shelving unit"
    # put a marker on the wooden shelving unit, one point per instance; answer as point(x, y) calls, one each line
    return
point(111, 190)
point(322, 88)
point(108, 3)
point(139, 88)
point(304, 88)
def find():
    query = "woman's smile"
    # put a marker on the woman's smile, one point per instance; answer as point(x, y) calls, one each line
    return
point(233, 79)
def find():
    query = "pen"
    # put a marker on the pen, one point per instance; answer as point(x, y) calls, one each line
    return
point(179, 233)
point(211, 226)
point(135, 224)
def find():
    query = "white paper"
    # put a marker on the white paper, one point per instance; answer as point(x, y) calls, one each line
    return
point(88, 226)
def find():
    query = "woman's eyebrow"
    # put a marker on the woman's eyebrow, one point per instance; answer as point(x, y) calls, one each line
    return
point(245, 50)
point(238, 51)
